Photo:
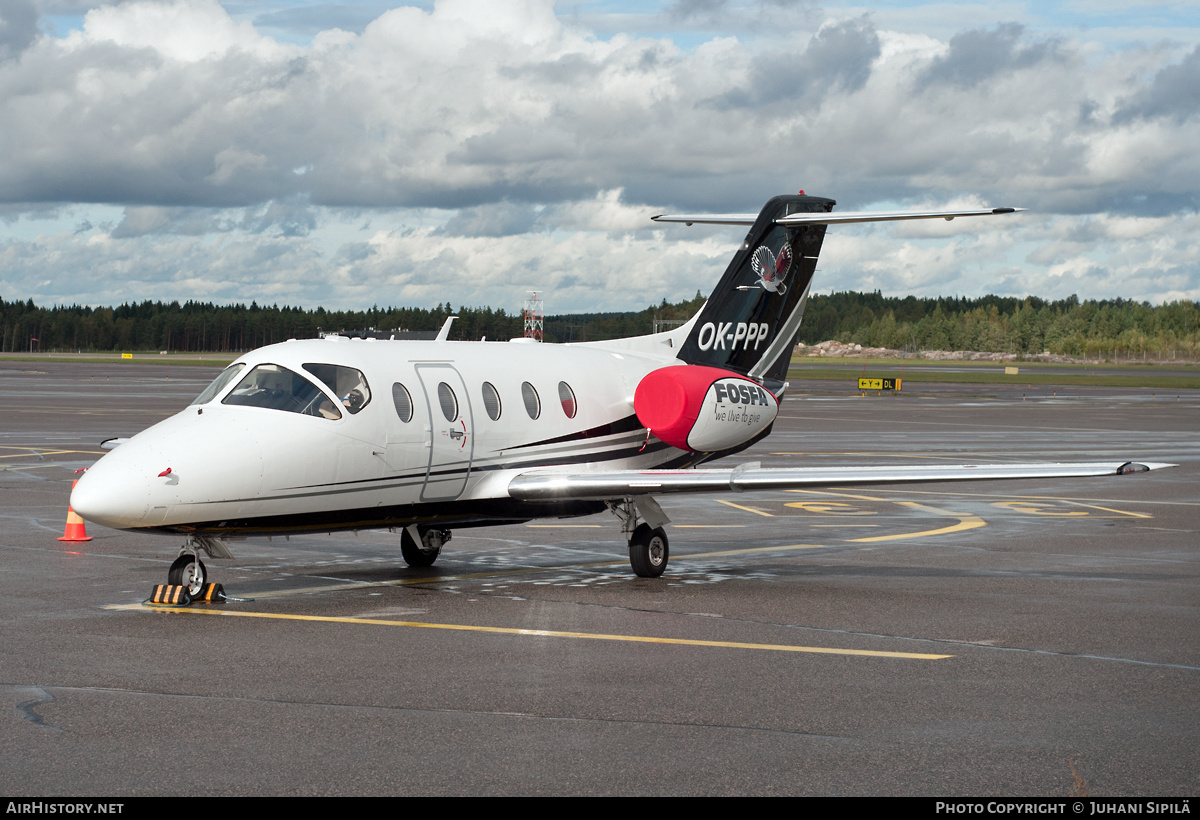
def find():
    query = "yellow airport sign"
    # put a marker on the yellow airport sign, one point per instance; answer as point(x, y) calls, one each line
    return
point(126, 355)
point(879, 384)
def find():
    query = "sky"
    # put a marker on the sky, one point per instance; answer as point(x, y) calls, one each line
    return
point(351, 154)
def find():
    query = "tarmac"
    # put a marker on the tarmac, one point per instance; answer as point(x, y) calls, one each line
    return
point(946, 640)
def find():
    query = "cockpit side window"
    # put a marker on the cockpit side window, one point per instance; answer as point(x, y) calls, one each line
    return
point(348, 384)
point(278, 388)
point(218, 384)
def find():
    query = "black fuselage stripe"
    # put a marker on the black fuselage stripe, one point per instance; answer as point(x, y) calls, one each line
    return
point(376, 484)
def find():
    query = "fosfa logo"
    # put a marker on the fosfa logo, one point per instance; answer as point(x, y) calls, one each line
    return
point(740, 392)
point(771, 268)
point(727, 335)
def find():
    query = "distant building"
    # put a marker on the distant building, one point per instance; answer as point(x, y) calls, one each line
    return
point(372, 333)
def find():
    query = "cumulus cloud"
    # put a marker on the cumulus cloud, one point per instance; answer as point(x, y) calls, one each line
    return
point(1174, 93)
point(980, 54)
point(18, 26)
point(528, 134)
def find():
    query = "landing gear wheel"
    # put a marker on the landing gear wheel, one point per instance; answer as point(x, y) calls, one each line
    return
point(414, 556)
point(188, 571)
point(648, 551)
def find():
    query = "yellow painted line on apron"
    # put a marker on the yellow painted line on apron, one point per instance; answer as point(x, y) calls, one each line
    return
point(740, 507)
point(748, 551)
point(1034, 497)
point(1110, 509)
point(31, 451)
point(965, 522)
point(842, 495)
point(536, 633)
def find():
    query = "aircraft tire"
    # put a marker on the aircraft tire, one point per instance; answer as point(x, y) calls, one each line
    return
point(414, 556)
point(648, 551)
point(188, 571)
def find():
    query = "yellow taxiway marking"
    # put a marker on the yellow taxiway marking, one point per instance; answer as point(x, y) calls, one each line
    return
point(965, 522)
point(538, 633)
point(1031, 508)
point(1032, 497)
point(749, 550)
point(33, 451)
point(740, 507)
point(842, 495)
point(1111, 510)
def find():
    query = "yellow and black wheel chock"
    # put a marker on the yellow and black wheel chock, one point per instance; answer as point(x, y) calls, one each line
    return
point(169, 595)
point(211, 594)
point(177, 595)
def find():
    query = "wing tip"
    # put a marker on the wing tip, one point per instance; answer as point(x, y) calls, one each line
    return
point(1142, 467)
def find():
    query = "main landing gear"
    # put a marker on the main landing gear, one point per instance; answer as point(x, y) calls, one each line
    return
point(649, 549)
point(421, 548)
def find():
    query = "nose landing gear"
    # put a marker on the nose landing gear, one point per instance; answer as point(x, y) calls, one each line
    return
point(188, 571)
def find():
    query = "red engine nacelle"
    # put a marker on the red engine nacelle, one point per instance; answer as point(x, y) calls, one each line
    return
point(703, 409)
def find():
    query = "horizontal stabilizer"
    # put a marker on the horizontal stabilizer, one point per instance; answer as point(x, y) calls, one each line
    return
point(829, 218)
point(546, 486)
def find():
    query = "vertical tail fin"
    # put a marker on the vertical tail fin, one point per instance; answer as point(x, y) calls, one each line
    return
point(750, 321)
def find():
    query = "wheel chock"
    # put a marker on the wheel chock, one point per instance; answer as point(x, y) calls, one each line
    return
point(170, 595)
point(211, 594)
point(75, 531)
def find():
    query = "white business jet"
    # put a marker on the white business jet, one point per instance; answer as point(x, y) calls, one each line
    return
point(424, 436)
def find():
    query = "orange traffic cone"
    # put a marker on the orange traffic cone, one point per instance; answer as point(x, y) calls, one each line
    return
point(75, 530)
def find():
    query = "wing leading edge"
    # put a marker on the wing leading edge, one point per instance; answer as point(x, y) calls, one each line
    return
point(550, 486)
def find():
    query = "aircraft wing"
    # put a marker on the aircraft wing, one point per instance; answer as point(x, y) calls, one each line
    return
point(552, 486)
point(828, 218)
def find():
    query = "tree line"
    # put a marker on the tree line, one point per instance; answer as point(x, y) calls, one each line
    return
point(1093, 328)
point(1108, 328)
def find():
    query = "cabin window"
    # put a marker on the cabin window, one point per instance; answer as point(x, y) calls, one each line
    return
point(403, 402)
point(533, 405)
point(491, 401)
point(567, 396)
point(218, 384)
point(448, 401)
point(348, 384)
point(277, 388)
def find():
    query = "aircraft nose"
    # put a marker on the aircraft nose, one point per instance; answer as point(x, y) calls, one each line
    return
point(106, 496)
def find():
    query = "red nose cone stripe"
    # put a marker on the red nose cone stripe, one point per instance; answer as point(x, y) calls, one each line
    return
point(668, 400)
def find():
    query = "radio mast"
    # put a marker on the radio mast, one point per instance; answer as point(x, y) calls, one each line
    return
point(534, 316)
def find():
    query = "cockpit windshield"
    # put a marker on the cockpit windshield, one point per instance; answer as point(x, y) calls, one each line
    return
point(278, 388)
point(347, 384)
point(218, 384)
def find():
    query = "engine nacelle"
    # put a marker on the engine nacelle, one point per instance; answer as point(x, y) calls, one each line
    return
point(703, 409)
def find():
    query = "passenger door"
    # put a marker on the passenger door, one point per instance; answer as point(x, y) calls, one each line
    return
point(451, 433)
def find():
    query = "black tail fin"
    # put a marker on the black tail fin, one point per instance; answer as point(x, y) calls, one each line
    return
point(750, 321)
